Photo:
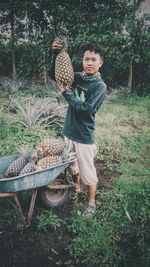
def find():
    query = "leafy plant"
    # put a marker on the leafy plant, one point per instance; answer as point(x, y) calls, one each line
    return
point(12, 86)
point(33, 112)
point(119, 229)
point(12, 136)
point(93, 243)
point(39, 89)
point(47, 220)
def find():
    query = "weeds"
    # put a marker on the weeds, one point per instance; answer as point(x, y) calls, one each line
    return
point(47, 220)
point(93, 243)
point(121, 227)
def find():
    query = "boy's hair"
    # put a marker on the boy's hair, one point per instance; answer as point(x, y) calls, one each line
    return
point(94, 47)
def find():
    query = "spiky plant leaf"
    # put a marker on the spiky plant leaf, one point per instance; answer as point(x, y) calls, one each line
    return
point(36, 112)
point(12, 85)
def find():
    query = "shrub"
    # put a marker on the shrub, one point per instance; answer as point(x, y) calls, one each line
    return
point(36, 112)
point(12, 86)
point(47, 220)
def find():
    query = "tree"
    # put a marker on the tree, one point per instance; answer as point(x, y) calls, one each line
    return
point(11, 26)
point(35, 24)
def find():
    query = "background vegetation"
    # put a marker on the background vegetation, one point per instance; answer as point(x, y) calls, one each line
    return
point(119, 233)
point(28, 29)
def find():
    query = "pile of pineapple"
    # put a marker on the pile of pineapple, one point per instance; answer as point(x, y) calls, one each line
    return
point(51, 151)
point(48, 153)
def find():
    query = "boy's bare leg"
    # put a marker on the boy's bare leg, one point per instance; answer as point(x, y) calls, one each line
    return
point(77, 182)
point(92, 192)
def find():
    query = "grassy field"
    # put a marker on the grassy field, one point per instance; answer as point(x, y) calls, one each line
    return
point(119, 233)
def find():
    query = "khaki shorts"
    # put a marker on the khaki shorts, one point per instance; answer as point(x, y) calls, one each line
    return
point(85, 154)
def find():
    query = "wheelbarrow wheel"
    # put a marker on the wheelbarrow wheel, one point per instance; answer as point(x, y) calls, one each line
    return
point(52, 198)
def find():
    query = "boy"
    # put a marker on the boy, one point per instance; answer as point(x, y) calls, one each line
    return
point(84, 99)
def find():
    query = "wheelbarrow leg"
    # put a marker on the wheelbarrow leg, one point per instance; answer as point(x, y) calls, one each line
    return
point(31, 209)
point(18, 208)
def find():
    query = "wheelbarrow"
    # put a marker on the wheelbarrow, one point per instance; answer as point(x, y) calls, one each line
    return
point(52, 182)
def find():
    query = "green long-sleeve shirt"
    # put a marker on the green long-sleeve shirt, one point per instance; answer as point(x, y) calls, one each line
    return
point(84, 100)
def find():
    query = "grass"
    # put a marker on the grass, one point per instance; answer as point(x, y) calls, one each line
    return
point(47, 220)
point(123, 130)
point(119, 233)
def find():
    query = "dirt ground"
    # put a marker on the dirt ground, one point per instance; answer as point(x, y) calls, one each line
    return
point(42, 249)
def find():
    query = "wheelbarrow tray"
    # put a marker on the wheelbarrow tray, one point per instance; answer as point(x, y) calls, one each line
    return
point(32, 180)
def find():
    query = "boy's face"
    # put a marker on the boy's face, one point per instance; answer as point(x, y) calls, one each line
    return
point(91, 62)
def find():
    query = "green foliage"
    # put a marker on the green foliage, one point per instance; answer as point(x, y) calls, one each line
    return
point(120, 226)
point(93, 243)
point(34, 25)
point(33, 112)
point(47, 220)
point(123, 130)
point(12, 86)
point(12, 137)
point(118, 235)
point(134, 194)
point(9, 219)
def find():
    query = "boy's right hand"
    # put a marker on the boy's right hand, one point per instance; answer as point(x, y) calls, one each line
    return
point(56, 45)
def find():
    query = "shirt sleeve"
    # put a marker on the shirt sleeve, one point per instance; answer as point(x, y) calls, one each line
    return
point(91, 104)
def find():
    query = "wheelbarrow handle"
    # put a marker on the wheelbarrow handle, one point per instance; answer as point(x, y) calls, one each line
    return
point(63, 186)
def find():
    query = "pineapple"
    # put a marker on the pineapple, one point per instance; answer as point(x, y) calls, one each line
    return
point(49, 161)
point(16, 166)
point(50, 147)
point(29, 167)
point(64, 73)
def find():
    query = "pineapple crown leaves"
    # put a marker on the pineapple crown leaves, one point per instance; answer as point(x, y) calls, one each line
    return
point(28, 153)
point(63, 41)
point(24, 150)
point(34, 157)
point(67, 155)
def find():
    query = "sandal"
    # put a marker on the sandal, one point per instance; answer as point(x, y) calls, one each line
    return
point(89, 211)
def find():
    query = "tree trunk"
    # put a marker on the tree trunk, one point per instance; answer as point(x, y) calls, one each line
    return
point(13, 63)
point(45, 69)
point(130, 77)
point(12, 40)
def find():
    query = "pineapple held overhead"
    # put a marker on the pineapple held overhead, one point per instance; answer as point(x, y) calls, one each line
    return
point(64, 73)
